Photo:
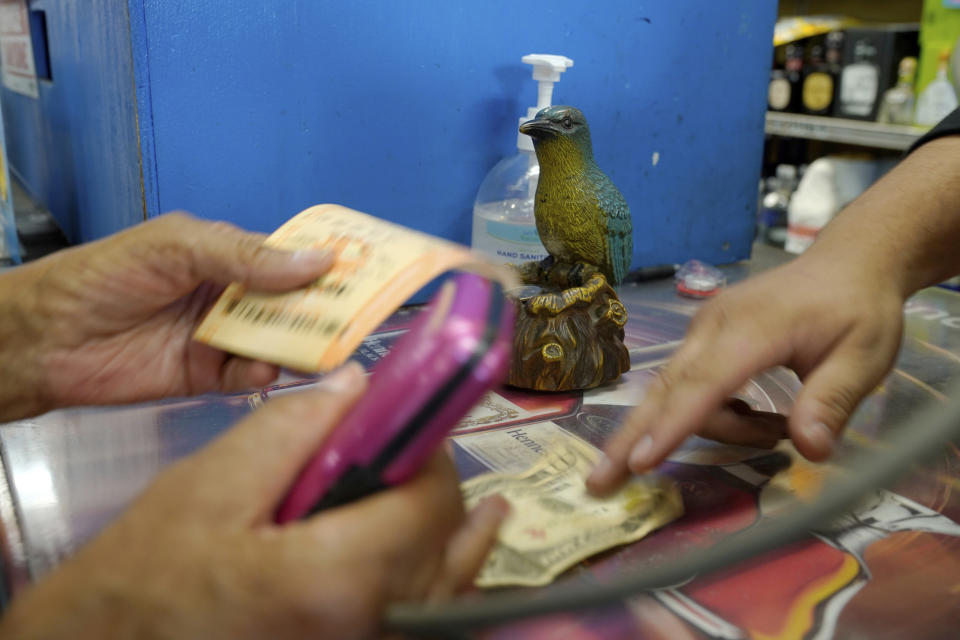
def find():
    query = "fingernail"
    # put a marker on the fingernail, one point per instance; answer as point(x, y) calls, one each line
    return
point(602, 470)
point(346, 378)
point(640, 453)
point(497, 505)
point(311, 257)
point(819, 435)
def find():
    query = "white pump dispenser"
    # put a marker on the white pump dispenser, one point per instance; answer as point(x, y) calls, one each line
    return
point(546, 71)
point(503, 223)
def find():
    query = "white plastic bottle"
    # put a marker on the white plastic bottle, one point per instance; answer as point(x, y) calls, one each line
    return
point(939, 98)
point(503, 223)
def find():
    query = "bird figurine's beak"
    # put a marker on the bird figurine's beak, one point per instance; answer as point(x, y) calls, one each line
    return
point(537, 128)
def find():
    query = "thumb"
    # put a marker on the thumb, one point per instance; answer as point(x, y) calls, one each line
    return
point(241, 475)
point(469, 546)
point(222, 253)
point(830, 395)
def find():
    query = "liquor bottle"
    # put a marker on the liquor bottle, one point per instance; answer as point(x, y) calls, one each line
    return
point(834, 55)
point(794, 76)
point(778, 94)
point(896, 106)
point(834, 44)
point(939, 98)
point(772, 223)
point(818, 82)
point(870, 60)
point(860, 81)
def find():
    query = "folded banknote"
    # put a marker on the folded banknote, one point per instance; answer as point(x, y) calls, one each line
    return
point(554, 523)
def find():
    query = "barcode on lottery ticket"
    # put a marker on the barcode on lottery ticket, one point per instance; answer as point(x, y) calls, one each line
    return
point(259, 314)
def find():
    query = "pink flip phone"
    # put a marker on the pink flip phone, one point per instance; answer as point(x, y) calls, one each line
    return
point(456, 350)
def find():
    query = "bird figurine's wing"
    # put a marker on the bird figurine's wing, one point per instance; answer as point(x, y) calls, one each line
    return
point(619, 231)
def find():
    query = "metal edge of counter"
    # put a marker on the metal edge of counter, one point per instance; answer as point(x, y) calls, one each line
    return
point(15, 575)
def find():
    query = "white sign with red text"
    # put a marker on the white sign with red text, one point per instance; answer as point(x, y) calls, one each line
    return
point(16, 49)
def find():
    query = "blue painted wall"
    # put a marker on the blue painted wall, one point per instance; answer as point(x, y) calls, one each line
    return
point(256, 112)
point(400, 108)
point(75, 147)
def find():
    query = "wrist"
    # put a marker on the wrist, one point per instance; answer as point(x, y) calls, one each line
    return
point(22, 374)
point(81, 611)
point(903, 230)
point(932, 256)
point(856, 266)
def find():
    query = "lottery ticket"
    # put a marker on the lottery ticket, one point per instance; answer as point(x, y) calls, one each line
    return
point(378, 266)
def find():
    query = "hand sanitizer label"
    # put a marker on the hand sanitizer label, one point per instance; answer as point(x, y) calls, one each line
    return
point(507, 242)
point(516, 233)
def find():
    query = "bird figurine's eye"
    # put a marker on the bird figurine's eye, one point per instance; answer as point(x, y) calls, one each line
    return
point(567, 123)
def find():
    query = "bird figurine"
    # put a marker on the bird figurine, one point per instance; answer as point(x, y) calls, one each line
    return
point(580, 215)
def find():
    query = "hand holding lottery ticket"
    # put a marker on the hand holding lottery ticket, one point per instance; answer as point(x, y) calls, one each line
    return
point(378, 266)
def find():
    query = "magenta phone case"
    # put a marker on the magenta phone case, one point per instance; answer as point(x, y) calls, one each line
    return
point(456, 350)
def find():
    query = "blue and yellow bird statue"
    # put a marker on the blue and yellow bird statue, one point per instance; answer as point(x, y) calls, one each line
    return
point(581, 216)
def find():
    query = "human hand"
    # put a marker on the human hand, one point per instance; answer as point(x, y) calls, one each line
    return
point(833, 321)
point(198, 555)
point(113, 321)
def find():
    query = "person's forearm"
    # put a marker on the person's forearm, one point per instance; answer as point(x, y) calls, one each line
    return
point(906, 227)
point(21, 373)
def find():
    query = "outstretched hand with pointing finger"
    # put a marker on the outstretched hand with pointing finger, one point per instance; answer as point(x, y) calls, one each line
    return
point(831, 320)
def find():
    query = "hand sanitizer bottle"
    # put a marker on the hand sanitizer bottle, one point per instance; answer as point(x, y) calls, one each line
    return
point(503, 224)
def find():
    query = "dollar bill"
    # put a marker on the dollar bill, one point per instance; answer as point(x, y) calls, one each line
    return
point(554, 523)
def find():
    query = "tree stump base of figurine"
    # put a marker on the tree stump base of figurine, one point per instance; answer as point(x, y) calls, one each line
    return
point(569, 329)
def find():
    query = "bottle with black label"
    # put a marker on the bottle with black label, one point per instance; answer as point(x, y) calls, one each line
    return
point(834, 45)
point(870, 58)
point(818, 82)
point(793, 67)
point(860, 80)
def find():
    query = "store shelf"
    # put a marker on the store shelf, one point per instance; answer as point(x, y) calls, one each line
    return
point(866, 134)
